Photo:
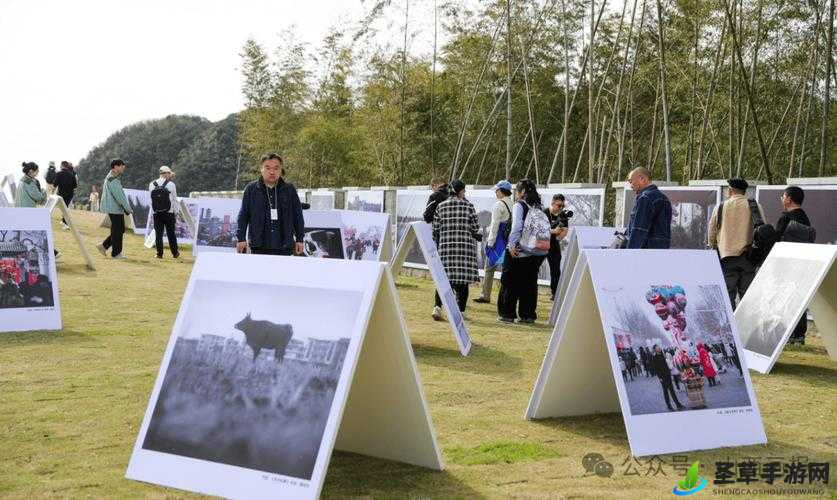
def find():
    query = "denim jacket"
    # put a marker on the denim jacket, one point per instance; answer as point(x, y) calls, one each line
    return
point(650, 223)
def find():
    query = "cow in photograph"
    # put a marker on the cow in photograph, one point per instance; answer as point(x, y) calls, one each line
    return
point(266, 335)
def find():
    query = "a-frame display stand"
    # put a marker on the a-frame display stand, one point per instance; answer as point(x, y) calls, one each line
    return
point(422, 232)
point(56, 201)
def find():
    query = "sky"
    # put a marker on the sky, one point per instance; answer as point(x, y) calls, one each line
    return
point(72, 73)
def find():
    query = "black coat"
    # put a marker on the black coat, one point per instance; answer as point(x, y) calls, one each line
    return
point(433, 202)
point(660, 365)
point(255, 214)
point(797, 214)
point(66, 182)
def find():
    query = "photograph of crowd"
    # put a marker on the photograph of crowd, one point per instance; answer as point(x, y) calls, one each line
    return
point(774, 301)
point(25, 279)
point(363, 242)
point(820, 205)
point(249, 384)
point(675, 348)
point(218, 224)
point(691, 209)
point(140, 201)
point(323, 242)
point(320, 200)
point(365, 201)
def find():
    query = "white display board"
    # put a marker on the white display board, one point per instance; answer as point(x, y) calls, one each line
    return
point(820, 205)
point(321, 200)
point(252, 398)
point(28, 281)
point(365, 201)
point(579, 238)
point(347, 234)
point(794, 277)
point(691, 209)
point(423, 233)
point(621, 304)
point(55, 201)
point(216, 225)
point(140, 201)
point(185, 224)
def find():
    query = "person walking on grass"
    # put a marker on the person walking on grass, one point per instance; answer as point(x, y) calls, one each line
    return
point(115, 204)
point(66, 182)
point(650, 222)
point(271, 213)
point(163, 202)
point(457, 232)
point(498, 236)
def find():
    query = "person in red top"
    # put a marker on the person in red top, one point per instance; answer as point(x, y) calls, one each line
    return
point(706, 362)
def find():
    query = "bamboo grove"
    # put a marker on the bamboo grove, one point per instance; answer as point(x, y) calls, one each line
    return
point(553, 90)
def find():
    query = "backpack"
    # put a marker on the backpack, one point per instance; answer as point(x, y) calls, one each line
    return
point(764, 235)
point(160, 198)
point(797, 232)
point(535, 239)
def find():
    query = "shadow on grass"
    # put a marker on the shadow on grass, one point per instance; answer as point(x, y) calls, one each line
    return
point(17, 339)
point(353, 475)
point(822, 374)
point(476, 361)
point(608, 427)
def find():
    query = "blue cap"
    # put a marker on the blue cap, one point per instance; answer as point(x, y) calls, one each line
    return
point(503, 185)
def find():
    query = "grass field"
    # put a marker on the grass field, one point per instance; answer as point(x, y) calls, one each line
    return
point(71, 402)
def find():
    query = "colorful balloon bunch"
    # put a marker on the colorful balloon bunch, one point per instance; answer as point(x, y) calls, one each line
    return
point(669, 302)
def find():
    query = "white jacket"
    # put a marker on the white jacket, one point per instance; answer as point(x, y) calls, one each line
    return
point(172, 189)
point(501, 212)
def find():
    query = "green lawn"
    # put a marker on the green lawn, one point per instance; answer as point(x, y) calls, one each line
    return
point(71, 402)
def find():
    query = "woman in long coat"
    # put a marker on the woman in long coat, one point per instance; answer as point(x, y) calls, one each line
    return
point(456, 231)
point(706, 362)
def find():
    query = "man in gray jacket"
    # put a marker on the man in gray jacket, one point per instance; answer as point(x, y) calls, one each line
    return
point(500, 213)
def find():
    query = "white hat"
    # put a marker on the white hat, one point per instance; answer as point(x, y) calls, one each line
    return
point(165, 170)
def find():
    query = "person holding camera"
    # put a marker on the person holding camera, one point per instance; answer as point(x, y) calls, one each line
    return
point(559, 222)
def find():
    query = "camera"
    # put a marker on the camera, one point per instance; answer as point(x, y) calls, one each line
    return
point(564, 217)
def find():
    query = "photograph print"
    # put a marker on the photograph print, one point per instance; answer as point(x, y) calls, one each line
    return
point(362, 240)
point(323, 242)
point(321, 200)
point(775, 301)
point(25, 276)
point(140, 201)
point(218, 224)
point(675, 347)
point(365, 201)
point(252, 375)
point(691, 209)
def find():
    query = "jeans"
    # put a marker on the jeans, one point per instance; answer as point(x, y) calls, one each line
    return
point(165, 221)
point(117, 229)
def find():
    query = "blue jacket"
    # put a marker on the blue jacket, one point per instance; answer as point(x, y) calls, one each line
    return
point(650, 224)
point(255, 214)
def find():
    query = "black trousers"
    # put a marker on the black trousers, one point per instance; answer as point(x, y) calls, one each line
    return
point(272, 251)
point(165, 221)
point(554, 259)
point(461, 291)
point(67, 201)
point(738, 274)
point(668, 388)
point(117, 230)
point(519, 287)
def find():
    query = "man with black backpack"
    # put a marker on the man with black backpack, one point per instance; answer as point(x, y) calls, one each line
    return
point(163, 205)
point(731, 230)
point(795, 227)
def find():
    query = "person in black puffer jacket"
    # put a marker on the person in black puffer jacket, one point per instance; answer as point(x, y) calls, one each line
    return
point(66, 182)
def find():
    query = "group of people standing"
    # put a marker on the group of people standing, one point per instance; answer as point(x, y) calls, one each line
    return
point(521, 235)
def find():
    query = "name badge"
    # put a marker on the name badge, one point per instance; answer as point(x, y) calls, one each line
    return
point(274, 214)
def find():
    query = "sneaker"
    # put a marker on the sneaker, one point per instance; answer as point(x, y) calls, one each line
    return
point(65, 227)
point(527, 321)
point(503, 319)
point(437, 313)
point(175, 256)
point(120, 257)
point(102, 250)
point(159, 256)
point(482, 300)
